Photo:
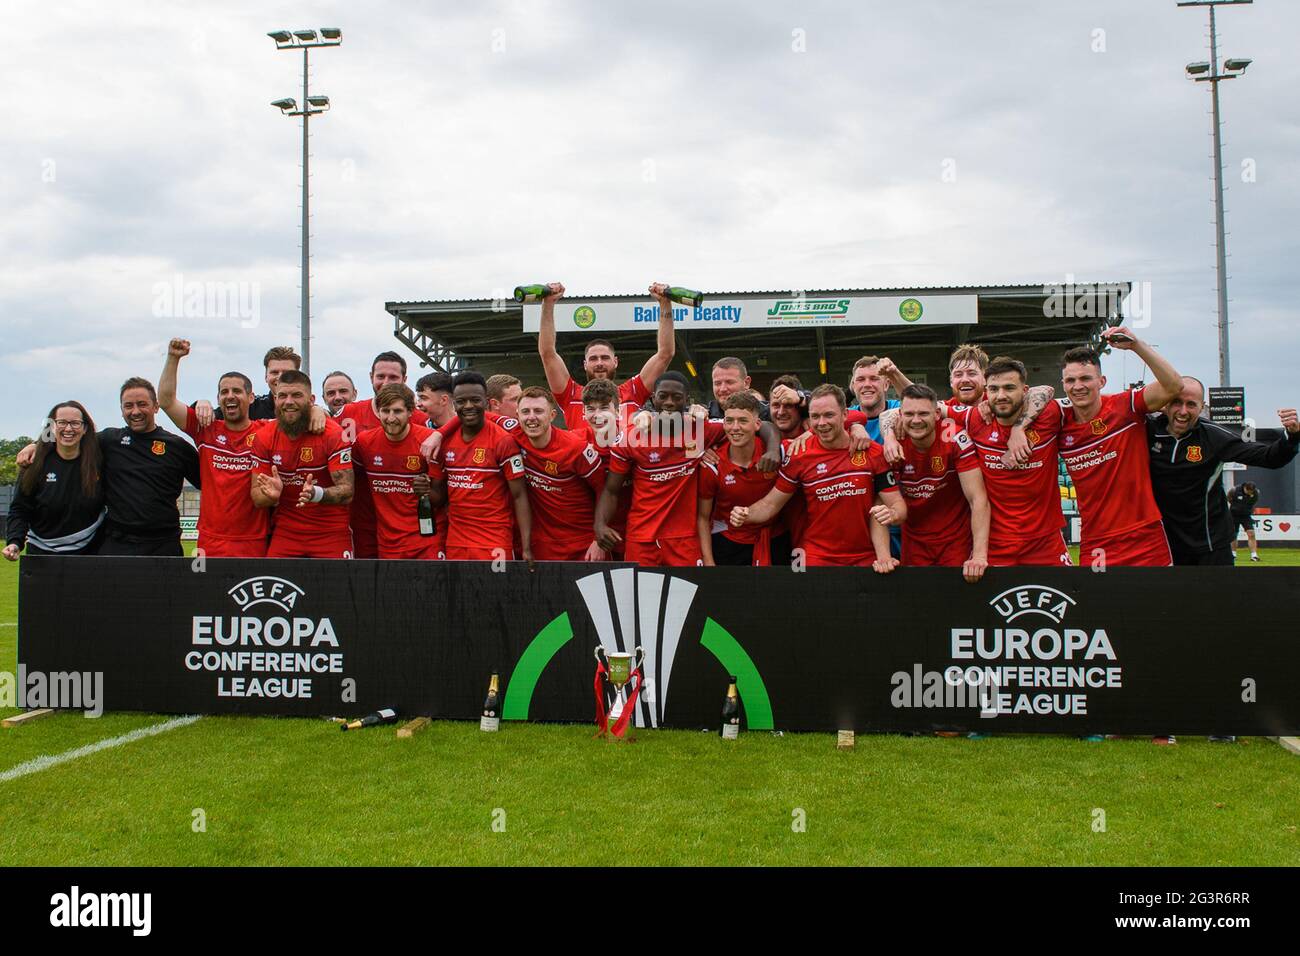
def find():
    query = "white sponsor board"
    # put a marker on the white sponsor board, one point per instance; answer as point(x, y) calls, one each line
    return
point(1274, 528)
point(189, 529)
point(814, 311)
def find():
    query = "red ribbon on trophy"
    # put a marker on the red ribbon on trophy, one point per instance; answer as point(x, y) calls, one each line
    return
point(619, 670)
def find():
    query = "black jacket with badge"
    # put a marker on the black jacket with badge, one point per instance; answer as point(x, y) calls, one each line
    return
point(1186, 476)
point(144, 473)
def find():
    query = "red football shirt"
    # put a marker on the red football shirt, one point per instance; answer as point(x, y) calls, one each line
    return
point(320, 456)
point(937, 509)
point(840, 488)
point(225, 464)
point(1024, 500)
point(663, 477)
point(619, 521)
point(389, 468)
point(632, 394)
point(480, 508)
point(357, 418)
point(1108, 462)
point(730, 485)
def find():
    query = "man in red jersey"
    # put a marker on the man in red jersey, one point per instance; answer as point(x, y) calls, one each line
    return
point(601, 427)
point(600, 361)
point(1104, 447)
point(735, 479)
point(843, 525)
point(661, 460)
point(229, 525)
point(361, 416)
point(939, 478)
point(1024, 498)
point(306, 478)
point(479, 473)
point(390, 460)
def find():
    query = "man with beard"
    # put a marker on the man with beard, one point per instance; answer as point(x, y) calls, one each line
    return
point(1187, 454)
point(729, 377)
point(307, 478)
point(338, 390)
point(390, 461)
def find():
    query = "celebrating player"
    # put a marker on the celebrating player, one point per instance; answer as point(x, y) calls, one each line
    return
point(1103, 445)
point(661, 460)
point(391, 460)
point(939, 477)
point(306, 478)
point(338, 390)
point(599, 360)
point(735, 479)
point(843, 525)
point(479, 473)
point(433, 394)
point(230, 525)
point(503, 395)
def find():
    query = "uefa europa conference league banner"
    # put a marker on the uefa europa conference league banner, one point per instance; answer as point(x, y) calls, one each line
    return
point(1050, 650)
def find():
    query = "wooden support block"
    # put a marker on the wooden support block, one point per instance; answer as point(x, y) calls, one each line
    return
point(845, 741)
point(17, 720)
point(1290, 743)
point(413, 727)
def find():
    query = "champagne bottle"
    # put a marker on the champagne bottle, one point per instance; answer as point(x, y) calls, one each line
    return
point(385, 715)
point(531, 293)
point(683, 296)
point(491, 719)
point(426, 516)
point(731, 713)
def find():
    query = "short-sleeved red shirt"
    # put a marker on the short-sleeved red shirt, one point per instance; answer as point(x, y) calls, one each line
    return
point(730, 486)
point(937, 509)
point(632, 394)
point(1108, 462)
point(663, 478)
point(321, 456)
point(839, 488)
point(480, 508)
point(389, 469)
point(226, 464)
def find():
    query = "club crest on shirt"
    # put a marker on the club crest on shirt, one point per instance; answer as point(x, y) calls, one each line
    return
point(552, 468)
point(936, 464)
point(1097, 425)
point(1032, 435)
point(480, 455)
point(249, 440)
point(858, 458)
point(1193, 452)
point(412, 462)
point(306, 454)
point(158, 448)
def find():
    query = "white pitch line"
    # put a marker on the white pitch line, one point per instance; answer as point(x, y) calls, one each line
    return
point(37, 764)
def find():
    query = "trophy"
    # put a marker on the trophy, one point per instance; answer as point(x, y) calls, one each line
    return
point(620, 669)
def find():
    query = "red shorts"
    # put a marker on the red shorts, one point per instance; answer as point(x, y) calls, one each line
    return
point(1047, 551)
point(415, 548)
point(365, 543)
point(215, 546)
point(1144, 547)
point(559, 551)
point(328, 546)
point(479, 554)
point(820, 559)
point(683, 552)
point(947, 553)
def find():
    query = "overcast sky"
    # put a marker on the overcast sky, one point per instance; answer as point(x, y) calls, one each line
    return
point(728, 145)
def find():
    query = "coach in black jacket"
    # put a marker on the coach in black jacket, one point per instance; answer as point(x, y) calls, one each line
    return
point(1187, 457)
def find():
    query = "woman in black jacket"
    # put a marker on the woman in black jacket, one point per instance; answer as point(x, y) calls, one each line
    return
point(58, 505)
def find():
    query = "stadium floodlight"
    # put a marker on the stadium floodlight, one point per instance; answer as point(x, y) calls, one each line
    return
point(285, 105)
point(1196, 69)
point(1237, 64)
point(306, 41)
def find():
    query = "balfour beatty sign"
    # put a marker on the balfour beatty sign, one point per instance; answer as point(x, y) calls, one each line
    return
point(768, 312)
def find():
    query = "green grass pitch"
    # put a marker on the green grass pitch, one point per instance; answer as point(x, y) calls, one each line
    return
point(278, 791)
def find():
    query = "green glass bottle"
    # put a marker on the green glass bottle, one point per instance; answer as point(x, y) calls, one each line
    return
point(531, 293)
point(684, 296)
